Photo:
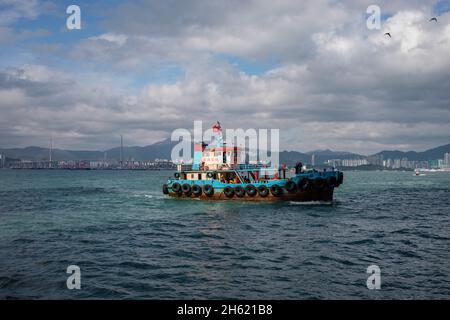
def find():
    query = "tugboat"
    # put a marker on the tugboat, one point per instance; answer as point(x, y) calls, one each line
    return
point(216, 175)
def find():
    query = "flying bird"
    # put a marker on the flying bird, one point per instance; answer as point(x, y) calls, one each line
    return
point(433, 19)
point(388, 34)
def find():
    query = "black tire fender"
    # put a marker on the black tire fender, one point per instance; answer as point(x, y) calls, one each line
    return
point(208, 190)
point(290, 186)
point(251, 190)
point(176, 187)
point(196, 190)
point(263, 191)
point(276, 190)
point(228, 191)
point(165, 189)
point(186, 188)
point(239, 191)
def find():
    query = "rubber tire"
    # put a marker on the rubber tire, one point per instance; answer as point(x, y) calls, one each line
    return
point(208, 190)
point(228, 192)
point(251, 190)
point(291, 186)
point(302, 184)
point(332, 182)
point(239, 191)
point(176, 187)
point(276, 190)
point(263, 191)
point(186, 188)
point(196, 190)
point(340, 179)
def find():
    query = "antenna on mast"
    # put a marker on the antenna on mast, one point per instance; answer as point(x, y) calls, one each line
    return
point(121, 151)
point(50, 152)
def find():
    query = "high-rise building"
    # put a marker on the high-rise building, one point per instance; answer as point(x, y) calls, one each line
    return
point(50, 151)
point(334, 163)
point(313, 159)
point(389, 163)
point(447, 160)
point(354, 162)
point(433, 164)
point(376, 160)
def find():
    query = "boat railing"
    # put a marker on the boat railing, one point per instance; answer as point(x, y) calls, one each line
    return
point(184, 167)
point(248, 166)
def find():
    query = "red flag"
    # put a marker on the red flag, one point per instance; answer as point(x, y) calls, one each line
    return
point(216, 127)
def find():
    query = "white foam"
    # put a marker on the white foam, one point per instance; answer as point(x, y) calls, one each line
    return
point(310, 203)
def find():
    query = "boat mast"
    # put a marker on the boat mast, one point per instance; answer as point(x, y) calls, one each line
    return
point(121, 151)
point(50, 153)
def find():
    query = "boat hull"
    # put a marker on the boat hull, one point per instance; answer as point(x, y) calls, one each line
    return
point(300, 196)
point(304, 186)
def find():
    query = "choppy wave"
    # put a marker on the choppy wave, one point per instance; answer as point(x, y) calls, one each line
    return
point(130, 241)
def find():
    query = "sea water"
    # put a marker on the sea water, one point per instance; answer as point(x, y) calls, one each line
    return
point(130, 241)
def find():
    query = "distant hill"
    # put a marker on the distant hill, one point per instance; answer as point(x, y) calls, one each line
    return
point(159, 150)
point(162, 150)
point(292, 157)
point(431, 154)
point(38, 153)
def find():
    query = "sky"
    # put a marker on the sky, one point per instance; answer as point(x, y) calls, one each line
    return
point(312, 69)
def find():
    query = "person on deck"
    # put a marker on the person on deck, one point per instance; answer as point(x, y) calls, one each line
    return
point(298, 167)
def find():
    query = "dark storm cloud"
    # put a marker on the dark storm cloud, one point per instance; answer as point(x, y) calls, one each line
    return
point(17, 79)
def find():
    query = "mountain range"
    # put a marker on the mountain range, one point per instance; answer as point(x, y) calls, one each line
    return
point(431, 154)
point(159, 150)
point(162, 150)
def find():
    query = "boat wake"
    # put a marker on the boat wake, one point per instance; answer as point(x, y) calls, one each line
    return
point(148, 196)
point(311, 203)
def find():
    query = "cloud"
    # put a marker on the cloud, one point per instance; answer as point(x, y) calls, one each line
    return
point(117, 39)
point(335, 83)
point(178, 30)
point(13, 10)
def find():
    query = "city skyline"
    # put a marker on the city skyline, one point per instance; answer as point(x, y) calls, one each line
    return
point(145, 157)
point(369, 162)
point(121, 145)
